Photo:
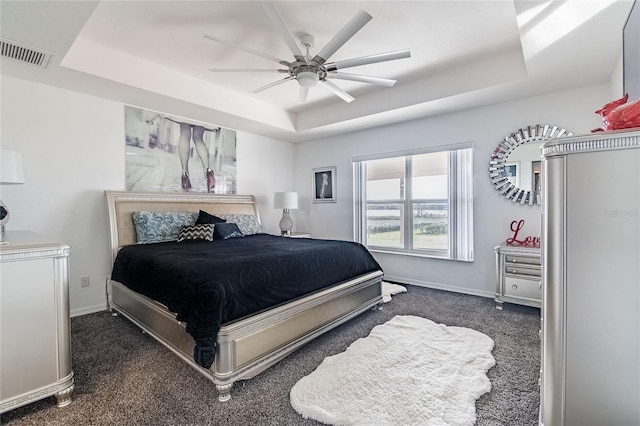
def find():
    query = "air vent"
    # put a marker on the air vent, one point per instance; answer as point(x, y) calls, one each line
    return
point(23, 53)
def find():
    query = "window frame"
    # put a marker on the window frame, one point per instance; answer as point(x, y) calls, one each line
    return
point(460, 208)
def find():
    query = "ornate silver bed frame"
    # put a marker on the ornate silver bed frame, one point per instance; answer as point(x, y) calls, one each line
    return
point(248, 346)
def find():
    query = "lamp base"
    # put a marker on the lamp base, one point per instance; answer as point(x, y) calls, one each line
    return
point(286, 224)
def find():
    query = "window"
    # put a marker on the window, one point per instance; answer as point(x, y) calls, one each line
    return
point(417, 202)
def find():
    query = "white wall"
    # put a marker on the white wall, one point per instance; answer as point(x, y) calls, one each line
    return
point(265, 167)
point(493, 214)
point(73, 149)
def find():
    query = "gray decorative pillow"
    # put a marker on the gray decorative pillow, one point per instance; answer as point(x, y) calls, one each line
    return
point(204, 217)
point(224, 231)
point(156, 227)
point(196, 232)
point(247, 223)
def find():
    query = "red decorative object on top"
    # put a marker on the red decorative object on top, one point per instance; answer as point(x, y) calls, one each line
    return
point(516, 226)
point(619, 114)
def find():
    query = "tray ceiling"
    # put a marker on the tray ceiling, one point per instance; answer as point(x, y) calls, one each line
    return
point(463, 54)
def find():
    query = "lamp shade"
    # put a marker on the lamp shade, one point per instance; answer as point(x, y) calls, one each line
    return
point(11, 167)
point(285, 200)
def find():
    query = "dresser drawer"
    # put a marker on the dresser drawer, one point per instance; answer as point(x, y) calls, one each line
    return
point(526, 270)
point(527, 260)
point(522, 288)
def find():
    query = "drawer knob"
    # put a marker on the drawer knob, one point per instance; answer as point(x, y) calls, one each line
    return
point(514, 271)
point(515, 287)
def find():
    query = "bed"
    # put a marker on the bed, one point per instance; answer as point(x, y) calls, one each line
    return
point(246, 343)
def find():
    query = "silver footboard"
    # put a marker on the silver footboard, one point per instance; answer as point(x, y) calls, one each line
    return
point(248, 346)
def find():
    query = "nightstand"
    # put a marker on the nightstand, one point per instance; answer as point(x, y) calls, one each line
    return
point(35, 338)
point(518, 275)
point(299, 235)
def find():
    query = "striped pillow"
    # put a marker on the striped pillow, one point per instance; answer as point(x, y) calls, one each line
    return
point(196, 232)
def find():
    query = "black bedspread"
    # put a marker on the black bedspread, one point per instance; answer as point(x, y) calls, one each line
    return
point(208, 284)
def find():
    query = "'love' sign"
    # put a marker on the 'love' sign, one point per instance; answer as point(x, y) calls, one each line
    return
point(516, 226)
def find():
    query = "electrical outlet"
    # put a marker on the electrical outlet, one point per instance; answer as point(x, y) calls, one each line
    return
point(84, 281)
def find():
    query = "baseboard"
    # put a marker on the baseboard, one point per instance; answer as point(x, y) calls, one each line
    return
point(88, 310)
point(440, 286)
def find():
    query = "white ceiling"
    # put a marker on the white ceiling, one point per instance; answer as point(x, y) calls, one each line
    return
point(463, 54)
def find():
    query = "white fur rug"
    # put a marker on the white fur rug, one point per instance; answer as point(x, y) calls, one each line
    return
point(408, 371)
point(389, 289)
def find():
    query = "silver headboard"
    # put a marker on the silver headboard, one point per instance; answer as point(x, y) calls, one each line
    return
point(121, 205)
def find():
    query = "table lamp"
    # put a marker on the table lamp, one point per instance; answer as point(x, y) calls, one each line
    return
point(10, 173)
point(285, 201)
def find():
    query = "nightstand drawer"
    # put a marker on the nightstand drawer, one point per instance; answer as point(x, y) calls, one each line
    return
point(527, 260)
point(527, 270)
point(518, 287)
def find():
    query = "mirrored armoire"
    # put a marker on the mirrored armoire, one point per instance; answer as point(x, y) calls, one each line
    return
point(590, 369)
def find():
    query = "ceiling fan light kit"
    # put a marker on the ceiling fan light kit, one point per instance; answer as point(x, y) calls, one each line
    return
point(308, 78)
point(309, 71)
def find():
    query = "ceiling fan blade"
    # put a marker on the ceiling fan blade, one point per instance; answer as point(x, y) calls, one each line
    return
point(275, 83)
point(348, 31)
point(302, 97)
point(337, 91)
point(247, 49)
point(371, 59)
point(247, 70)
point(281, 25)
point(362, 78)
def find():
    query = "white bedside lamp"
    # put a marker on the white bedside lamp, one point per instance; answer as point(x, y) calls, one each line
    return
point(10, 173)
point(285, 201)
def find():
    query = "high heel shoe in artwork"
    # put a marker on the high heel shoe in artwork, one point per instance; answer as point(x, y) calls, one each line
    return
point(186, 183)
point(211, 180)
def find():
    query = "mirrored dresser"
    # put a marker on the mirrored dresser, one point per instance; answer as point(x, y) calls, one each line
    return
point(35, 339)
point(591, 280)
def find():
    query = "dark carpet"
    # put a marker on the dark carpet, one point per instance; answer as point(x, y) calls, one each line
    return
point(125, 377)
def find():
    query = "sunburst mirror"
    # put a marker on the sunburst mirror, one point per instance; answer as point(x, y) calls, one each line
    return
point(515, 165)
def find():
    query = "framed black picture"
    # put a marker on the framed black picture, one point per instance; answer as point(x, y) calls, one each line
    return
point(324, 185)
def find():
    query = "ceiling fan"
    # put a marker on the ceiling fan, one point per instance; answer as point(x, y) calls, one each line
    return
point(309, 71)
